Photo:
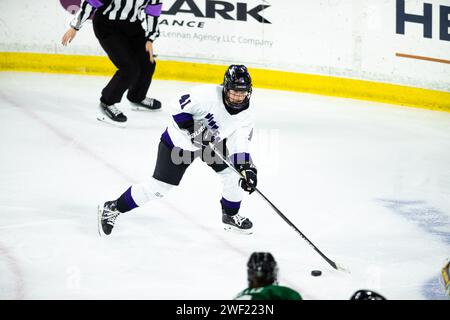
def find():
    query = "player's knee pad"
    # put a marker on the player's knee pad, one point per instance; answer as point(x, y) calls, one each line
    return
point(150, 190)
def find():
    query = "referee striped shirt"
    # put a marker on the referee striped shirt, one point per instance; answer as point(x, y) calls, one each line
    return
point(129, 10)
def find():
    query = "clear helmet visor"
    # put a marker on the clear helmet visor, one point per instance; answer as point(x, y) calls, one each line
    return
point(237, 99)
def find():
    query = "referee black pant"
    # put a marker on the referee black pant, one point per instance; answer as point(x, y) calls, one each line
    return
point(124, 42)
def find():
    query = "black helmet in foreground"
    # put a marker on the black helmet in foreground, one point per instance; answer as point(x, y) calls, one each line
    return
point(262, 269)
point(367, 295)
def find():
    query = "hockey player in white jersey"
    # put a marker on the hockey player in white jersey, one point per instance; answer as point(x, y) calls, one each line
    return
point(216, 114)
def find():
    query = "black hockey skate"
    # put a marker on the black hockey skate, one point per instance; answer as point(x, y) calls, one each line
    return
point(112, 115)
point(237, 223)
point(107, 215)
point(146, 104)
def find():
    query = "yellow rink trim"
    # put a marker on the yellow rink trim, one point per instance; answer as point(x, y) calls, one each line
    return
point(210, 73)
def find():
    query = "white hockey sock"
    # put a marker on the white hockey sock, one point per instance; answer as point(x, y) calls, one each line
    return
point(231, 190)
point(148, 191)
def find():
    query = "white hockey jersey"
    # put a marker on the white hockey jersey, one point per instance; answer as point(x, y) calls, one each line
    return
point(204, 104)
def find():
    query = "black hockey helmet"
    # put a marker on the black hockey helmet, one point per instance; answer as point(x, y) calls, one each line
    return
point(237, 78)
point(367, 295)
point(262, 268)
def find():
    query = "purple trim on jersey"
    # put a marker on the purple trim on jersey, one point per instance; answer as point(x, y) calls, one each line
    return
point(129, 199)
point(182, 117)
point(95, 3)
point(240, 158)
point(230, 204)
point(153, 10)
point(166, 138)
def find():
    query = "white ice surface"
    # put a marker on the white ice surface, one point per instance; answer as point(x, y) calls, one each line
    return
point(368, 183)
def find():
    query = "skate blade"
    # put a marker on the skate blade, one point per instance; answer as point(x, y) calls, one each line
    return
point(105, 119)
point(138, 108)
point(235, 230)
point(99, 221)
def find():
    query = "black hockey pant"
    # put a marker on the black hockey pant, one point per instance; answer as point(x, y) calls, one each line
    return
point(169, 172)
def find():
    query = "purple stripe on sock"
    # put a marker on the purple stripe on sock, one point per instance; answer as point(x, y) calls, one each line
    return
point(153, 9)
point(182, 117)
point(95, 3)
point(230, 204)
point(129, 199)
point(165, 137)
point(241, 158)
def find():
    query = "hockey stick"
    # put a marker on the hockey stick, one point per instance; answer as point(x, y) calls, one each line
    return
point(230, 165)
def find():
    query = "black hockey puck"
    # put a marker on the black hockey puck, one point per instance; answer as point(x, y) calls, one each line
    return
point(316, 273)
